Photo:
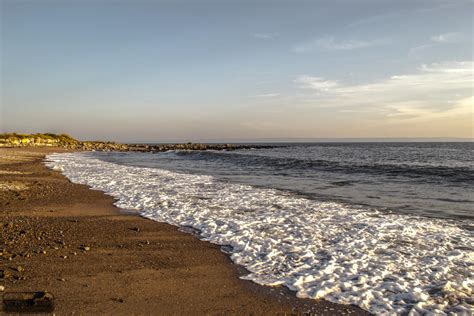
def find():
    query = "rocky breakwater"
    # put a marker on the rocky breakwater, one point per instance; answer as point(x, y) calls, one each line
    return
point(101, 146)
point(191, 146)
point(66, 141)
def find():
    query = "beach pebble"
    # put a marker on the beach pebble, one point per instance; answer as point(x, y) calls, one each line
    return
point(4, 274)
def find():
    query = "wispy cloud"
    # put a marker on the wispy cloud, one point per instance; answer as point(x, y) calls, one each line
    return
point(416, 110)
point(266, 36)
point(267, 95)
point(373, 19)
point(430, 7)
point(447, 38)
point(432, 91)
point(446, 5)
point(330, 43)
point(317, 83)
point(419, 50)
point(439, 39)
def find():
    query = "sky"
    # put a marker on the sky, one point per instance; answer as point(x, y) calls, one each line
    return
point(237, 70)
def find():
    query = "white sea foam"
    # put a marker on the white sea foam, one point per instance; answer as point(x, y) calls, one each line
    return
point(384, 263)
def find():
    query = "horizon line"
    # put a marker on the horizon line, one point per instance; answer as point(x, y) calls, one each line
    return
point(310, 140)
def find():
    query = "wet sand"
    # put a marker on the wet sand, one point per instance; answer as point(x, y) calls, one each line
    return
point(95, 259)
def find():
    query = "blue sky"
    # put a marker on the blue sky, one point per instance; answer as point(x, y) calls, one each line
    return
point(200, 70)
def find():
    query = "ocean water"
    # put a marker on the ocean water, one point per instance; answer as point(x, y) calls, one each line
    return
point(385, 226)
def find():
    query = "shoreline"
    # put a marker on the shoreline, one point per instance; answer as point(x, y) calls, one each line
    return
point(132, 265)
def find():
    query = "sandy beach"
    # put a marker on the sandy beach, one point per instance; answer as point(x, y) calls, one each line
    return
point(96, 259)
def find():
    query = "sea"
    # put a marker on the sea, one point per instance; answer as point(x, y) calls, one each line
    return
point(388, 227)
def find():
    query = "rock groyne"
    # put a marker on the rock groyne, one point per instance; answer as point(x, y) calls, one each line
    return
point(68, 142)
